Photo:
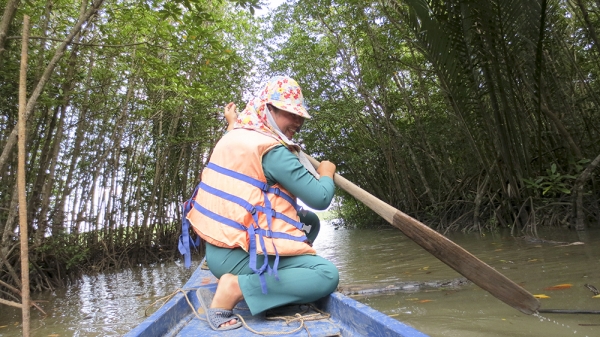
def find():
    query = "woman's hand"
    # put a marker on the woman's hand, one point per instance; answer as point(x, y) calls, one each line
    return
point(326, 168)
point(230, 114)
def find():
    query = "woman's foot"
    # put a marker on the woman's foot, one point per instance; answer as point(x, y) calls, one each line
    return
point(227, 295)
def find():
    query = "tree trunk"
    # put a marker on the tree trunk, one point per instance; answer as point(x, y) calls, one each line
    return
point(563, 131)
point(435, 162)
point(481, 189)
point(579, 183)
point(35, 200)
point(38, 68)
point(77, 143)
point(7, 17)
point(49, 185)
point(590, 25)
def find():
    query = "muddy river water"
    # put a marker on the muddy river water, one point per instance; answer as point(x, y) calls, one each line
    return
point(111, 304)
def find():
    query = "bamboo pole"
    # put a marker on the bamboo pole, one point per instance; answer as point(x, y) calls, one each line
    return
point(21, 182)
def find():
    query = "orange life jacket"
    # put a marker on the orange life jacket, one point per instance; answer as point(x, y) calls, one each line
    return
point(235, 207)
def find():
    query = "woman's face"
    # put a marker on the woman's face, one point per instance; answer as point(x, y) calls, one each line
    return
point(288, 123)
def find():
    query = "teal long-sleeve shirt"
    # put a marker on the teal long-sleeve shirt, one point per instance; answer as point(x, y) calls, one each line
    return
point(282, 166)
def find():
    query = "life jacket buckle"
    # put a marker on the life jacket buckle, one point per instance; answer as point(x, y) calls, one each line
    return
point(306, 228)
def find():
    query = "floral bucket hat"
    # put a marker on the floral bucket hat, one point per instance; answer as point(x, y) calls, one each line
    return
point(284, 93)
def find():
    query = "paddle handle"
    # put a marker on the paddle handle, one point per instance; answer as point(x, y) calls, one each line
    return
point(384, 210)
point(444, 249)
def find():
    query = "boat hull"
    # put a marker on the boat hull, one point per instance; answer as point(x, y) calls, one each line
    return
point(347, 317)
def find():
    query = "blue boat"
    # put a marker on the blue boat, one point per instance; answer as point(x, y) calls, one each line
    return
point(334, 315)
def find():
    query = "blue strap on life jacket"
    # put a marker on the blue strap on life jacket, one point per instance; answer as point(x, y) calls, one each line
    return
point(184, 239)
point(235, 199)
point(269, 214)
point(218, 217)
point(250, 229)
point(278, 192)
point(281, 216)
point(254, 229)
point(252, 238)
point(256, 183)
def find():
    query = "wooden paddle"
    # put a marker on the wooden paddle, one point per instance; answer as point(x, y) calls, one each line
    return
point(445, 250)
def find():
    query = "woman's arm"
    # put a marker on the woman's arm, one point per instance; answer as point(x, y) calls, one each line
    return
point(283, 167)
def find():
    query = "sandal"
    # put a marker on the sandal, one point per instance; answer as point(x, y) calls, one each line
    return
point(216, 316)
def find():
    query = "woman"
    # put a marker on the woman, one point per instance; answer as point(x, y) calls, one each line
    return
point(246, 208)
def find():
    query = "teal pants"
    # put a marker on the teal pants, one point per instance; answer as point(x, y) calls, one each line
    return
point(302, 278)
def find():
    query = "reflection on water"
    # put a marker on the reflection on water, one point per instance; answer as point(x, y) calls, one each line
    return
point(102, 305)
point(113, 303)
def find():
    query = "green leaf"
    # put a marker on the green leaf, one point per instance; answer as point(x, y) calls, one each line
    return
point(564, 190)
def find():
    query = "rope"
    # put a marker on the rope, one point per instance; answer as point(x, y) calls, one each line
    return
point(298, 317)
point(319, 315)
point(168, 297)
point(272, 333)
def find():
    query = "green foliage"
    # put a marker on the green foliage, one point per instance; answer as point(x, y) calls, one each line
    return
point(552, 184)
point(580, 165)
point(65, 249)
point(555, 184)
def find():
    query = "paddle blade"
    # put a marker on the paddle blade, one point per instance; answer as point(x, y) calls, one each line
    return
point(466, 264)
point(445, 250)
